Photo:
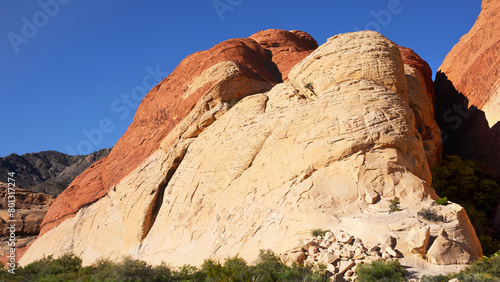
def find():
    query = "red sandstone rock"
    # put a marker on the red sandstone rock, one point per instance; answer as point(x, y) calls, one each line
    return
point(423, 104)
point(287, 47)
point(473, 63)
point(467, 89)
point(164, 107)
point(411, 58)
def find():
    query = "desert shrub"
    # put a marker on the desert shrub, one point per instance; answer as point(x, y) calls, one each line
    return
point(268, 267)
point(437, 278)
point(63, 268)
point(429, 214)
point(394, 205)
point(319, 232)
point(68, 268)
point(132, 270)
point(188, 273)
point(381, 270)
point(441, 201)
point(471, 186)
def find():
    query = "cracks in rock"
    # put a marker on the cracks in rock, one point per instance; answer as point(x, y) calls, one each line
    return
point(157, 201)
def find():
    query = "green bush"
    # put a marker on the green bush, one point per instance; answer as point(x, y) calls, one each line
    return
point(68, 268)
point(429, 214)
point(394, 205)
point(471, 186)
point(63, 268)
point(381, 270)
point(442, 201)
point(319, 232)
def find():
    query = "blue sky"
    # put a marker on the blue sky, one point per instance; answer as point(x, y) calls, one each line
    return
point(68, 66)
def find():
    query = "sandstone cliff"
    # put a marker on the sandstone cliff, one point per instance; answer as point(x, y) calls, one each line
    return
point(473, 63)
point(468, 92)
point(224, 159)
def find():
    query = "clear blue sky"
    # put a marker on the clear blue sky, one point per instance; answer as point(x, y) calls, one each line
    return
point(65, 64)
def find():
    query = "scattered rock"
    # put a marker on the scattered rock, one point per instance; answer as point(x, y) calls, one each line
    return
point(371, 196)
point(345, 265)
point(446, 251)
point(418, 239)
point(299, 257)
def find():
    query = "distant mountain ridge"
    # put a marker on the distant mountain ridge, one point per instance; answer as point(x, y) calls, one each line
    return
point(48, 172)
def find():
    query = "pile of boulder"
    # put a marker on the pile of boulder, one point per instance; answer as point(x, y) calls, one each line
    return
point(340, 253)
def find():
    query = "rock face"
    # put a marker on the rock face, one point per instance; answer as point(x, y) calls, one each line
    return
point(472, 64)
point(47, 172)
point(422, 101)
point(30, 210)
point(328, 148)
point(468, 92)
point(287, 48)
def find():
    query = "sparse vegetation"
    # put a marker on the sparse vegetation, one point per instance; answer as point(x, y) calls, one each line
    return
point(69, 268)
point(394, 205)
point(381, 270)
point(471, 186)
point(319, 232)
point(429, 214)
point(309, 86)
point(442, 201)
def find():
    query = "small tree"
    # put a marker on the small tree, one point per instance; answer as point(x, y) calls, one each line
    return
point(394, 205)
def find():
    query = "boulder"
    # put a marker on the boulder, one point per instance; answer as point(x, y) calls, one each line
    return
point(447, 251)
point(418, 239)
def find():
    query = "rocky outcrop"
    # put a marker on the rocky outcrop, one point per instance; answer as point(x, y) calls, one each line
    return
point(30, 209)
point(286, 48)
point(467, 91)
point(223, 160)
point(472, 64)
point(47, 172)
point(422, 101)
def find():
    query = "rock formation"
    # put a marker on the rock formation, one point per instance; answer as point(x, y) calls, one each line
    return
point(468, 92)
point(422, 101)
point(472, 64)
point(224, 159)
point(30, 210)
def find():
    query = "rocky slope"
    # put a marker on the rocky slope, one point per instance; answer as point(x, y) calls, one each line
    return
point(468, 92)
point(224, 159)
point(48, 172)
